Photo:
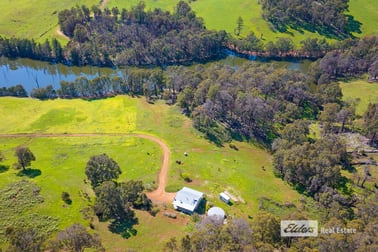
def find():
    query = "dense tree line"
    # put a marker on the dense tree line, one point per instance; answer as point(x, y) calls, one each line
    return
point(74, 238)
point(156, 37)
point(124, 37)
point(263, 232)
point(17, 91)
point(325, 16)
point(138, 37)
point(370, 125)
point(308, 165)
point(26, 48)
point(253, 100)
point(357, 57)
point(251, 45)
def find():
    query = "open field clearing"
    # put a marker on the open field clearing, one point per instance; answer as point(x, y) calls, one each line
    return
point(60, 167)
point(246, 172)
point(116, 115)
point(36, 19)
point(39, 19)
point(366, 12)
point(223, 15)
point(361, 90)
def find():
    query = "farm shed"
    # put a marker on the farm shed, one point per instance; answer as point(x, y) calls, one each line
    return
point(187, 200)
point(224, 197)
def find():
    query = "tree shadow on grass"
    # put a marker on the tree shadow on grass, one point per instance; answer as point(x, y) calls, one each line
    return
point(30, 173)
point(201, 209)
point(124, 227)
point(342, 185)
point(4, 168)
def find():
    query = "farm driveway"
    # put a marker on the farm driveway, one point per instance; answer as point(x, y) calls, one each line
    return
point(159, 196)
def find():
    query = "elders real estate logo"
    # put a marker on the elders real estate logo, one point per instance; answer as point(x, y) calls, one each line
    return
point(299, 228)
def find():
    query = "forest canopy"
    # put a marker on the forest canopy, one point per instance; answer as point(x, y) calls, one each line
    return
point(138, 37)
point(323, 16)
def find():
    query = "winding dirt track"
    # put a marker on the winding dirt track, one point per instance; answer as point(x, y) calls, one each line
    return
point(159, 196)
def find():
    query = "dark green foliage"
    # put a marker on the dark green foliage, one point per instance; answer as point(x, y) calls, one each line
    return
point(110, 203)
point(75, 238)
point(20, 47)
point(132, 193)
point(211, 235)
point(251, 101)
point(30, 173)
point(66, 198)
point(44, 93)
point(371, 123)
point(133, 81)
point(239, 27)
point(24, 157)
point(138, 37)
point(310, 166)
point(266, 229)
point(68, 19)
point(325, 17)
point(17, 91)
point(356, 58)
point(101, 168)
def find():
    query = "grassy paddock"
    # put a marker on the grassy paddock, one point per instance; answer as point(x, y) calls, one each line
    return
point(223, 14)
point(60, 166)
point(362, 91)
point(366, 12)
point(115, 115)
point(39, 19)
point(245, 172)
point(36, 19)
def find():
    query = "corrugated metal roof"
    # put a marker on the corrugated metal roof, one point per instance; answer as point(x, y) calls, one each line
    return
point(187, 198)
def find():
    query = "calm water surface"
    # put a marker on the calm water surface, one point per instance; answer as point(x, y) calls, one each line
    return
point(33, 74)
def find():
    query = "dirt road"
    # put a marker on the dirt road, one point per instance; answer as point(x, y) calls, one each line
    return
point(159, 196)
point(104, 3)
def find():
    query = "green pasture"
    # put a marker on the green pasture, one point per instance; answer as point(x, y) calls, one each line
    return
point(362, 92)
point(60, 166)
point(36, 19)
point(245, 172)
point(366, 12)
point(116, 115)
point(223, 15)
point(39, 19)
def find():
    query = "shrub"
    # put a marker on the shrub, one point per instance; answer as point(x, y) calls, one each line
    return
point(66, 198)
point(186, 177)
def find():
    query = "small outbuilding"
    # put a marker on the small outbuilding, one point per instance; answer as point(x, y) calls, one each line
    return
point(187, 200)
point(217, 213)
point(225, 198)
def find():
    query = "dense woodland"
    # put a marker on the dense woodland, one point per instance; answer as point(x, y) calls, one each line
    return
point(139, 37)
point(359, 57)
point(127, 37)
point(325, 16)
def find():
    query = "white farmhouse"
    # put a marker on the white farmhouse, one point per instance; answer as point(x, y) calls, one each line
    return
point(187, 200)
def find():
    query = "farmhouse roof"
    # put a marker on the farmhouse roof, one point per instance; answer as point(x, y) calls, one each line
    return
point(187, 199)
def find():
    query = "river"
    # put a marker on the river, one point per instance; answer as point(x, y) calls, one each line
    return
point(33, 74)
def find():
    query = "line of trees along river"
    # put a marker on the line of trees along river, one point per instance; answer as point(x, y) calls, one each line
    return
point(37, 74)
